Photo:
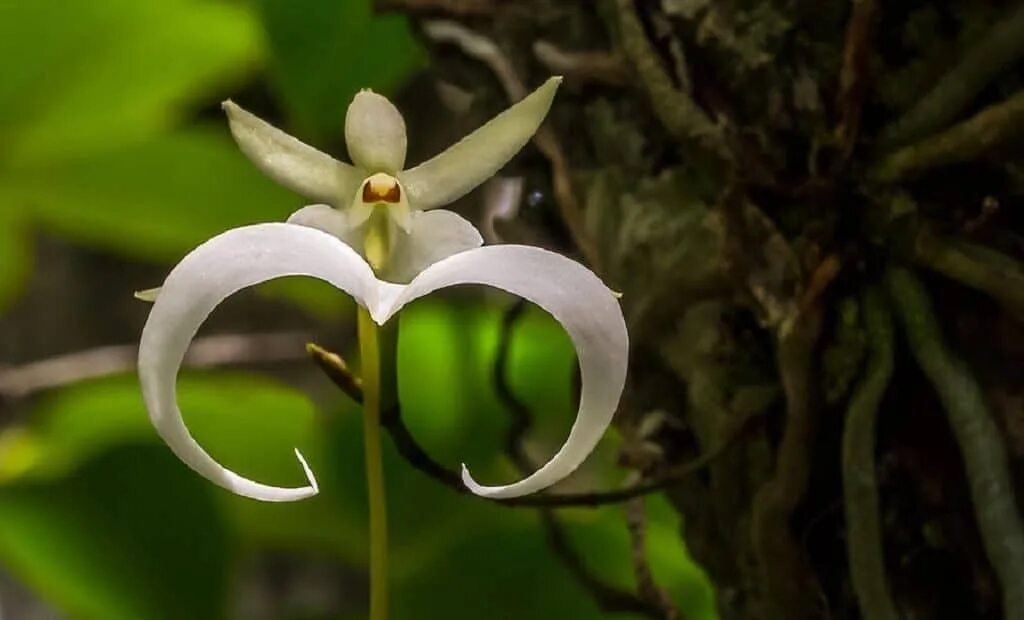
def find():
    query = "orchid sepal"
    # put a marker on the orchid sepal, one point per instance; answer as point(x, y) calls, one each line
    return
point(376, 139)
point(477, 157)
point(291, 162)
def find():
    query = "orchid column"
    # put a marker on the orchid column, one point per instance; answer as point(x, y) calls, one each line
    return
point(378, 236)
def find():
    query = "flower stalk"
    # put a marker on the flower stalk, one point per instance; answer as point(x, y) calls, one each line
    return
point(369, 351)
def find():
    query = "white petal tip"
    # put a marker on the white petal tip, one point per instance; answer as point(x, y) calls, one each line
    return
point(478, 489)
point(616, 294)
point(313, 486)
point(469, 483)
point(228, 105)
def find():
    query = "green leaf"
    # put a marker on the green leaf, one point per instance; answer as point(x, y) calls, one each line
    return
point(541, 369)
point(130, 535)
point(80, 76)
point(672, 565)
point(15, 257)
point(324, 51)
point(431, 389)
point(317, 297)
point(155, 199)
point(247, 422)
point(78, 423)
point(499, 567)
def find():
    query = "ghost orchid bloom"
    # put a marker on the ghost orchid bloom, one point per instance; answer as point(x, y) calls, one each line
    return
point(374, 205)
point(374, 229)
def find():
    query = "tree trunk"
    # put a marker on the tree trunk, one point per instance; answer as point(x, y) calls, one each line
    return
point(761, 179)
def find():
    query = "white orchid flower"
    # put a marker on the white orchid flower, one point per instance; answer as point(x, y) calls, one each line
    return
point(376, 206)
point(427, 250)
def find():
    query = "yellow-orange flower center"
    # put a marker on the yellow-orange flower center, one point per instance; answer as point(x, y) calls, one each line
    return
point(381, 188)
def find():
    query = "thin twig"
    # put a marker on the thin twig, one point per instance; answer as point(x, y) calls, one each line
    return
point(481, 48)
point(502, 199)
point(650, 591)
point(853, 77)
point(204, 352)
point(822, 276)
point(994, 127)
point(413, 453)
point(334, 366)
point(995, 51)
point(601, 67)
point(864, 546)
point(476, 45)
point(607, 596)
point(981, 443)
point(784, 569)
point(520, 417)
point(454, 7)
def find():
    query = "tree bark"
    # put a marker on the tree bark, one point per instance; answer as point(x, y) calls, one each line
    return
point(744, 171)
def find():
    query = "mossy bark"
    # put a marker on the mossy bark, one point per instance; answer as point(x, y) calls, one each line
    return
point(743, 171)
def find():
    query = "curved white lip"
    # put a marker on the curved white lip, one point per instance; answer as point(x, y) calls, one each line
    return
point(246, 256)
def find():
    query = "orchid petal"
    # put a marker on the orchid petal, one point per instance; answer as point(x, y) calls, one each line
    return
point(401, 213)
point(478, 156)
point(331, 221)
point(292, 163)
point(578, 300)
point(224, 265)
point(358, 212)
point(375, 133)
point(434, 235)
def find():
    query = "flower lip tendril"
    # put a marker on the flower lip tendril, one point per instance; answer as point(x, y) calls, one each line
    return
point(377, 235)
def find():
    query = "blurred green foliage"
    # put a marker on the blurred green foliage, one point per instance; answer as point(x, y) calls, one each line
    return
point(322, 53)
point(89, 96)
point(128, 535)
point(112, 139)
point(90, 446)
point(94, 102)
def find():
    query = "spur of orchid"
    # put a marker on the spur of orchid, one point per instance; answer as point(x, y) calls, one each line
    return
point(376, 234)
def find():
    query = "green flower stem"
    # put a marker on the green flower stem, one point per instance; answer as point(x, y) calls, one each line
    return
point(370, 354)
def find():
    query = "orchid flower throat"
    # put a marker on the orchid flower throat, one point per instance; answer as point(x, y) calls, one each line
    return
point(381, 201)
